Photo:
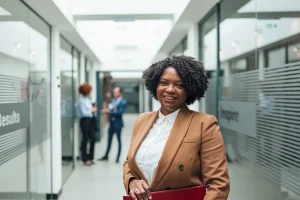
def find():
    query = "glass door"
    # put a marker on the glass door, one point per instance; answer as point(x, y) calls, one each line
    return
point(67, 108)
point(25, 151)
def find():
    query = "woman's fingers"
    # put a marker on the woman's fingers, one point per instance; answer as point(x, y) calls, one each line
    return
point(132, 195)
point(141, 191)
point(147, 188)
point(138, 194)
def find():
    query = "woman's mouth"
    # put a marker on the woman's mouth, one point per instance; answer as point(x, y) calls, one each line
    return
point(169, 98)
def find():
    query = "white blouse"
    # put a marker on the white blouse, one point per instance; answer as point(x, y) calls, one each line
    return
point(150, 151)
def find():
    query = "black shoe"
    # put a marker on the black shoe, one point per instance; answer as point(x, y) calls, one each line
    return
point(104, 158)
point(92, 162)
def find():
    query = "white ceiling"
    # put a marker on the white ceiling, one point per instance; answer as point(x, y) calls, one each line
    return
point(77, 7)
point(124, 45)
point(123, 34)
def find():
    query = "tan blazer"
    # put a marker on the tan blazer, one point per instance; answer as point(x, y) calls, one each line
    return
point(193, 155)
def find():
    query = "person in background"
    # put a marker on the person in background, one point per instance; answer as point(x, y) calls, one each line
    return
point(115, 111)
point(175, 147)
point(85, 113)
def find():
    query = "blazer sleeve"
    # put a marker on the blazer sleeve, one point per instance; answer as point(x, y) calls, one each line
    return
point(119, 111)
point(213, 161)
point(127, 175)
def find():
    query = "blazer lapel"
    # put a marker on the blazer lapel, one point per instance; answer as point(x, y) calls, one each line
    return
point(141, 135)
point(174, 141)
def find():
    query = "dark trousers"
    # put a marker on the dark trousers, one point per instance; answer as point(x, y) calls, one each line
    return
point(111, 131)
point(88, 136)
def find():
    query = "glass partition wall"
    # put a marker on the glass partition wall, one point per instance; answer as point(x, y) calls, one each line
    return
point(69, 66)
point(251, 51)
point(25, 138)
point(67, 108)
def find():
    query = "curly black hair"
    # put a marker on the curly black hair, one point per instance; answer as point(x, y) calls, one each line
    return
point(191, 71)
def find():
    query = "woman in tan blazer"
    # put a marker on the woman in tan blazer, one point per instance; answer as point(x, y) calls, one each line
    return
point(175, 147)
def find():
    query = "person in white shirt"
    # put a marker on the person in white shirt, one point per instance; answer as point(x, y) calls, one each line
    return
point(175, 147)
point(85, 113)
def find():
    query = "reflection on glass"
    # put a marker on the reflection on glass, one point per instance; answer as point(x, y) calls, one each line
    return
point(25, 157)
point(238, 66)
point(208, 55)
point(76, 71)
point(276, 57)
point(294, 53)
point(67, 108)
point(262, 36)
point(209, 43)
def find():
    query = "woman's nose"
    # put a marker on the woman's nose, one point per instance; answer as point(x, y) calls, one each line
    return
point(170, 88)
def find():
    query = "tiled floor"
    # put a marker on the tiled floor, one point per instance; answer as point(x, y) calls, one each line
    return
point(104, 180)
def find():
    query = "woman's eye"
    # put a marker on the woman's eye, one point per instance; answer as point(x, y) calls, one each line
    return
point(180, 86)
point(163, 83)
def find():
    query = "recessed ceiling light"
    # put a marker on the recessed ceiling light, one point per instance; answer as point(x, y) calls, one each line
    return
point(234, 44)
point(295, 49)
point(18, 45)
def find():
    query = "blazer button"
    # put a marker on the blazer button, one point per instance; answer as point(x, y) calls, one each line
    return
point(181, 167)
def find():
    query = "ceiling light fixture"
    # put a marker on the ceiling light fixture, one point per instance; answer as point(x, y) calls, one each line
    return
point(18, 45)
point(33, 53)
point(234, 44)
point(295, 49)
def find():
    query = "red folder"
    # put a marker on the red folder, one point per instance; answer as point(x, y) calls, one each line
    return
point(192, 193)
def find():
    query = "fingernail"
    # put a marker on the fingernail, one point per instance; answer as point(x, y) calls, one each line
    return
point(150, 197)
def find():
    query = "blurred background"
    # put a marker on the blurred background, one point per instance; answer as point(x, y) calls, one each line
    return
point(250, 49)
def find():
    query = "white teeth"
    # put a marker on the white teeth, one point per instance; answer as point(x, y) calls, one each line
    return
point(170, 98)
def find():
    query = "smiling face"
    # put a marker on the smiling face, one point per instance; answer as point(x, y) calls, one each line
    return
point(170, 91)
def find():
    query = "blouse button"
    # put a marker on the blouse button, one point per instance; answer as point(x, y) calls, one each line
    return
point(181, 167)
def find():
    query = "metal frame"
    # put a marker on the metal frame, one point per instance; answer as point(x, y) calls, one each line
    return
point(218, 88)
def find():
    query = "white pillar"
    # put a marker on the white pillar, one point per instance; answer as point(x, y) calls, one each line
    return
point(193, 41)
point(193, 51)
point(56, 169)
point(81, 69)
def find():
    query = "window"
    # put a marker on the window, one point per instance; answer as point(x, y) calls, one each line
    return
point(294, 53)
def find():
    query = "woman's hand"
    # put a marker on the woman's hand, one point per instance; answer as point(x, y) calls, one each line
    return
point(94, 109)
point(139, 190)
point(105, 110)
